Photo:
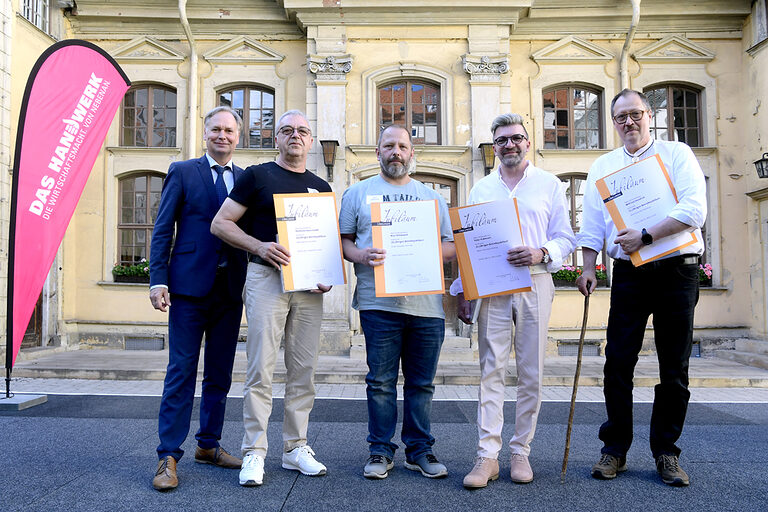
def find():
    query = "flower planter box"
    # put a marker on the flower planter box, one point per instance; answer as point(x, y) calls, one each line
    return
point(131, 279)
point(561, 283)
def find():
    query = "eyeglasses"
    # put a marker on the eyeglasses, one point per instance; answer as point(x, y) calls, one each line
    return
point(287, 131)
point(516, 139)
point(635, 115)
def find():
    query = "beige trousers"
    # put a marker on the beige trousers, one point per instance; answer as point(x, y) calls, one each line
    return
point(522, 318)
point(272, 313)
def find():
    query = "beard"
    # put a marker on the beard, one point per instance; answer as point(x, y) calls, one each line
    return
point(512, 159)
point(395, 169)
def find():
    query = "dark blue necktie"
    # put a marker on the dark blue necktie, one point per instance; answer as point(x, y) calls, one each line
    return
point(221, 187)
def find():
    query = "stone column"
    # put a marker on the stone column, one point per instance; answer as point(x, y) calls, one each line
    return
point(329, 65)
point(486, 63)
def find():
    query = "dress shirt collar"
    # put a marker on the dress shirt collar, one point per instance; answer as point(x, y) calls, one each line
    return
point(212, 162)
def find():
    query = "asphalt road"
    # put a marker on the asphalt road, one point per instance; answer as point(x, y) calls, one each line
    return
point(98, 453)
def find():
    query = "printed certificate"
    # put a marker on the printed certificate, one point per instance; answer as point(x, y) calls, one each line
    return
point(483, 233)
point(410, 233)
point(639, 196)
point(307, 226)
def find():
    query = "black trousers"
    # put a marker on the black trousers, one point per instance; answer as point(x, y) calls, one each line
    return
point(669, 290)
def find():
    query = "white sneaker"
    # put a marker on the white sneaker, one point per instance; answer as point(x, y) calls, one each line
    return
point(302, 459)
point(252, 470)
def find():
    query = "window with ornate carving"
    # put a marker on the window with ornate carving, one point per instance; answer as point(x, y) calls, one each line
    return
point(572, 118)
point(256, 105)
point(414, 104)
point(676, 113)
point(574, 185)
point(139, 200)
point(38, 12)
point(149, 117)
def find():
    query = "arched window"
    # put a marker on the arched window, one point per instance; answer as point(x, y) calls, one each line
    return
point(139, 200)
point(149, 117)
point(256, 105)
point(414, 104)
point(676, 113)
point(572, 118)
point(574, 195)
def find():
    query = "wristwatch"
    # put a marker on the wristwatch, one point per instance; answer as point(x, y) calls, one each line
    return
point(546, 258)
point(646, 237)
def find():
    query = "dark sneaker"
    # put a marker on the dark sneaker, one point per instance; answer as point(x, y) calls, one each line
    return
point(429, 466)
point(377, 466)
point(668, 466)
point(609, 466)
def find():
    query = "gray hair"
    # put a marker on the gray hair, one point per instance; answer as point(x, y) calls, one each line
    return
point(507, 120)
point(224, 108)
point(627, 92)
point(293, 112)
point(401, 127)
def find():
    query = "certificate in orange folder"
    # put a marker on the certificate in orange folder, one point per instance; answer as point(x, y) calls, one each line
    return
point(639, 196)
point(307, 225)
point(410, 233)
point(483, 233)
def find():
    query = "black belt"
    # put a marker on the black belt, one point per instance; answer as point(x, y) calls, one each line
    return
point(253, 258)
point(683, 259)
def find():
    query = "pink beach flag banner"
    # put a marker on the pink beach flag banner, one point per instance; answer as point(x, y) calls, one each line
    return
point(70, 101)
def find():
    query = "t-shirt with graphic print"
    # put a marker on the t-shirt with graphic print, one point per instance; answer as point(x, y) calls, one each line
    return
point(355, 218)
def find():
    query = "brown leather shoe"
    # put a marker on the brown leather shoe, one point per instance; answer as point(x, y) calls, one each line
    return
point(218, 457)
point(165, 476)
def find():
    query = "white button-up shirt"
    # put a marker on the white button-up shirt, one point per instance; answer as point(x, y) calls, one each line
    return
point(687, 178)
point(543, 212)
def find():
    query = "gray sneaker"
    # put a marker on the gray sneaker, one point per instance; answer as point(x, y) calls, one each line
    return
point(429, 466)
point(377, 466)
point(608, 467)
point(668, 466)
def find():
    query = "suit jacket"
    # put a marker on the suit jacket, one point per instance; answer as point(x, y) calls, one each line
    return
point(187, 206)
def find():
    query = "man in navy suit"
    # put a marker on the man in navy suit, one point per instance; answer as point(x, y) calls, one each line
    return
point(205, 278)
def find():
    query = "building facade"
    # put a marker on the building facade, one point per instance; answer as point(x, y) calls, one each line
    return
point(444, 71)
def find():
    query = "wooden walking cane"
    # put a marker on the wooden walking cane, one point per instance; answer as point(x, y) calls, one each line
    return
point(575, 388)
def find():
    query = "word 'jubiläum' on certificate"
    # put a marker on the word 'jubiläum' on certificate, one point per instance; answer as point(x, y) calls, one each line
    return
point(307, 227)
point(410, 233)
point(639, 196)
point(483, 233)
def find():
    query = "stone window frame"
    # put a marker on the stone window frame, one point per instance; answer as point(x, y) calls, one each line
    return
point(571, 124)
point(670, 87)
point(147, 226)
point(409, 110)
point(251, 86)
point(151, 87)
point(375, 78)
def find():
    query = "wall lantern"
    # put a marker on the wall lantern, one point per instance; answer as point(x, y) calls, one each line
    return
point(489, 158)
point(762, 166)
point(329, 156)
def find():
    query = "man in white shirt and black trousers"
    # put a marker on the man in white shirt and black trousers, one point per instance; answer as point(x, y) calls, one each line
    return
point(666, 288)
point(520, 318)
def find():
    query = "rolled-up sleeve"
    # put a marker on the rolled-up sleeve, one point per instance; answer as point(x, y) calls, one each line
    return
point(690, 187)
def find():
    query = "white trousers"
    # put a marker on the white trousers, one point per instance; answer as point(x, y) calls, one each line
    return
point(271, 313)
point(522, 318)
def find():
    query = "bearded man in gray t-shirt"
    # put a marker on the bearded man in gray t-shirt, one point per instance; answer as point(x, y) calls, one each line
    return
point(407, 328)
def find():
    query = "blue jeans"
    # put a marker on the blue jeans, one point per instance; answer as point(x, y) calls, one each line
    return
point(389, 338)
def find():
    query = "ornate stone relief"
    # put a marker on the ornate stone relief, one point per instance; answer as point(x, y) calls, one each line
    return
point(330, 67)
point(485, 67)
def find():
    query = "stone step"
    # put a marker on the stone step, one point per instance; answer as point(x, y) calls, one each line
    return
point(747, 358)
point(754, 346)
